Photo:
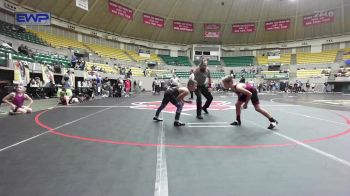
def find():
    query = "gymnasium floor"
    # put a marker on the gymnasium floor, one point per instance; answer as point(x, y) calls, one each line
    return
point(112, 147)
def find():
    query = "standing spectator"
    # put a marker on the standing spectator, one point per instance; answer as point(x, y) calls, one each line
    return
point(129, 74)
point(140, 85)
point(307, 85)
point(156, 86)
point(68, 79)
point(99, 84)
point(127, 85)
point(135, 86)
point(201, 74)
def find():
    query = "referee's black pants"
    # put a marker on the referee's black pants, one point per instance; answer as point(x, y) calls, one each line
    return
point(201, 89)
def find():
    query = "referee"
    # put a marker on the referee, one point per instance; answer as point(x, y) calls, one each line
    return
point(201, 74)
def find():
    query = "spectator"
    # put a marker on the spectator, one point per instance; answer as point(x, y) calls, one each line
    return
point(73, 61)
point(68, 79)
point(127, 84)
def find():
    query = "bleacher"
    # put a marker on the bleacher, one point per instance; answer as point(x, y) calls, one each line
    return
point(155, 58)
point(316, 58)
point(304, 73)
point(136, 71)
point(346, 54)
point(239, 61)
point(245, 75)
point(213, 62)
point(213, 74)
point(109, 52)
point(262, 60)
point(183, 74)
point(106, 68)
point(2, 58)
point(179, 61)
point(136, 56)
point(52, 59)
point(58, 41)
point(8, 53)
point(157, 72)
point(217, 74)
point(7, 29)
point(284, 59)
point(274, 75)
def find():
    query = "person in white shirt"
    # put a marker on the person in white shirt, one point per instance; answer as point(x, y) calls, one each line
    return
point(191, 78)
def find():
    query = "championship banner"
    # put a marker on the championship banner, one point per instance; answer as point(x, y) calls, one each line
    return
point(277, 25)
point(83, 4)
point(243, 28)
point(319, 18)
point(153, 20)
point(212, 34)
point(120, 10)
point(21, 73)
point(212, 27)
point(182, 26)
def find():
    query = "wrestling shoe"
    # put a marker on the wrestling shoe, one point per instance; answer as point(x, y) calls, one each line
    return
point(272, 125)
point(205, 110)
point(178, 124)
point(236, 123)
point(200, 117)
point(156, 118)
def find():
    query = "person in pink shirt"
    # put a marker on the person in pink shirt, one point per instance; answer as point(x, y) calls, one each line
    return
point(127, 84)
point(16, 101)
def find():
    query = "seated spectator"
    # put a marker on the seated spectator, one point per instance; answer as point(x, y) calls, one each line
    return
point(74, 61)
point(38, 82)
point(33, 83)
point(16, 101)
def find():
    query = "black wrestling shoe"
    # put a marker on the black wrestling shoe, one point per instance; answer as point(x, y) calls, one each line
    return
point(272, 125)
point(236, 123)
point(157, 119)
point(178, 124)
point(200, 117)
point(205, 110)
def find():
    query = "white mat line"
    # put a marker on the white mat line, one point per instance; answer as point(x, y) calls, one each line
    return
point(161, 183)
point(318, 151)
point(211, 126)
point(312, 117)
point(205, 123)
point(36, 136)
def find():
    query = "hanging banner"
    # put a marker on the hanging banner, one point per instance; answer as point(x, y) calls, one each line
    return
point(120, 10)
point(83, 4)
point(212, 27)
point(153, 20)
point(212, 34)
point(277, 25)
point(32, 18)
point(182, 26)
point(319, 18)
point(21, 73)
point(243, 28)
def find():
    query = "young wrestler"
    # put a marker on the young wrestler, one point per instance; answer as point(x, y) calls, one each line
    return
point(246, 92)
point(16, 101)
point(176, 95)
